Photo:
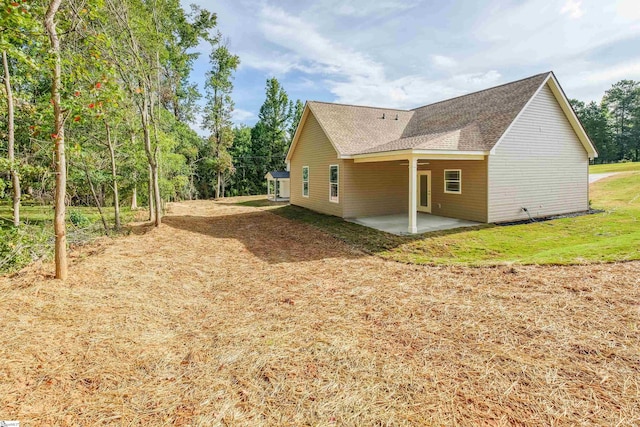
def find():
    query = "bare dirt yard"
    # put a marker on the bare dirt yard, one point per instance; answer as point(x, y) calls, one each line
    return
point(231, 315)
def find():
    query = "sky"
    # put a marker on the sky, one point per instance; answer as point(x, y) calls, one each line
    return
point(409, 53)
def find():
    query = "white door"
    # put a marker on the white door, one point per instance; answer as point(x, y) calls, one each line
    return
point(424, 191)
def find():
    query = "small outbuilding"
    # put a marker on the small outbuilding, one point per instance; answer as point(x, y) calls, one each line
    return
point(278, 186)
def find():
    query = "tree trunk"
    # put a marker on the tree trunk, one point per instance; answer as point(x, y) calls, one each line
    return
point(218, 184)
point(134, 198)
point(114, 177)
point(15, 179)
point(95, 198)
point(60, 160)
point(152, 157)
point(152, 210)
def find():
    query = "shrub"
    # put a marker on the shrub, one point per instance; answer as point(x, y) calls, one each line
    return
point(21, 246)
point(79, 219)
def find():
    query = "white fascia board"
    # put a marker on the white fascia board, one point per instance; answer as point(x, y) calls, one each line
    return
point(558, 92)
point(419, 154)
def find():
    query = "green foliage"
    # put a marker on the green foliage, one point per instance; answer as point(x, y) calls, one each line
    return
point(623, 103)
point(217, 117)
point(78, 219)
point(21, 246)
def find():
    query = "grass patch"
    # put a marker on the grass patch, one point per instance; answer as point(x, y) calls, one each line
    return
point(34, 238)
point(613, 235)
point(615, 167)
point(261, 203)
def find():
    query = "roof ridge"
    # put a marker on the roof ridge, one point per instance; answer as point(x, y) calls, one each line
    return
point(360, 106)
point(482, 90)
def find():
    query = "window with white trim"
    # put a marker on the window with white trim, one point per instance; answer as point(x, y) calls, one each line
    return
point(453, 181)
point(305, 181)
point(333, 183)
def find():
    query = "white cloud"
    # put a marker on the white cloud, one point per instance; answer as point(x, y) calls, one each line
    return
point(241, 116)
point(362, 8)
point(275, 64)
point(354, 77)
point(573, 8)
point(411, 91)
point(530, 33)
point(320, 54)
point(605, 77)
point(442, 61)
point(628, 9)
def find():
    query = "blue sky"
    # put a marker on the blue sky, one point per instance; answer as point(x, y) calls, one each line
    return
point(408, 53)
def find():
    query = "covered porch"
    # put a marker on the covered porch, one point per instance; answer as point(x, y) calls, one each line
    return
point(399, 223)
point(442, 190)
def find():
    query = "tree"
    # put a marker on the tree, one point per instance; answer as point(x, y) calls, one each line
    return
point(16, 21)
point(295, 114)
point(15, 180)
point(623, 103)
point(179, 95)
point(217, 118)
point(595, 120)
point(269, 136)
point(137, 64)
point(60, 161)
point(241, 153)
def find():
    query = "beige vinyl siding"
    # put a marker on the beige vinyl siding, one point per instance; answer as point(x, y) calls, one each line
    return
point(315, 150)
point(472, 203)
point(371, 189)
point(540, 164)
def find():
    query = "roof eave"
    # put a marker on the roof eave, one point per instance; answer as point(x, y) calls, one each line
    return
point(385, 156)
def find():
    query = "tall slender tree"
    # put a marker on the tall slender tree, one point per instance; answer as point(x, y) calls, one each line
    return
point(269, 136)
point(17, 19)
point(217, 118)
point(15, 179)
point(60, 160)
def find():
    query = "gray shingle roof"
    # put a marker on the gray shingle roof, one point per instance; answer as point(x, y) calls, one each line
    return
point(278, 174)
point(473, 122)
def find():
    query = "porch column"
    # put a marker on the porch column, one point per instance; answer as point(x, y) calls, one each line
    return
point(413, 190)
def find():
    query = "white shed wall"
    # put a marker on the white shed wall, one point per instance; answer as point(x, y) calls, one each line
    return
point(540, 164)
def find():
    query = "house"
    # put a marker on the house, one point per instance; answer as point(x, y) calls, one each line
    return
point(277, 185)
point(486, 157)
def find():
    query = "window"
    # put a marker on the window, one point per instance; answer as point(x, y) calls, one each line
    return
point(453, 181)
point(333, 183)
point(305, 181)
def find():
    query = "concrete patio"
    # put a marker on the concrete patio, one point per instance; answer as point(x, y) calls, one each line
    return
point(398, 223)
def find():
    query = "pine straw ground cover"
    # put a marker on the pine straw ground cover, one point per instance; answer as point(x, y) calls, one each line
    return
point(230, 315)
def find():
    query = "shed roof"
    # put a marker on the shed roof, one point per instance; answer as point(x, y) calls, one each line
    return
point(277, 174)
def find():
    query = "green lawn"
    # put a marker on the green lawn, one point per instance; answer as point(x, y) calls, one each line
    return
point(615, 167)
point(613, 235)
point(40, 214)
